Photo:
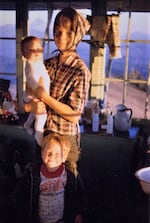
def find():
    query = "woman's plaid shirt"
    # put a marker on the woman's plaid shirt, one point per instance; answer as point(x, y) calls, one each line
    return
point(69, 85)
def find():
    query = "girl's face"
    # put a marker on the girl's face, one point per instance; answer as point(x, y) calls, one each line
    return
point(33, 51)
point(64, 37)
point(52, 155)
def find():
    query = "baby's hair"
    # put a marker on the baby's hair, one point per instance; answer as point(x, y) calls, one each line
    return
point(64, 143)
point(65, 15)
point(28, 39)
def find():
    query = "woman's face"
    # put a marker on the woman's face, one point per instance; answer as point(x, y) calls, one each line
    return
point(64, 37)
point(52, 155)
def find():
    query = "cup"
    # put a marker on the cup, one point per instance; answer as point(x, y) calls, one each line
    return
point(133, 131)
point(143, 175)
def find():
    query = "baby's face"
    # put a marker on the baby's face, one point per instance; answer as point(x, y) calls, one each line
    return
point(33, 50)
point(52, 156)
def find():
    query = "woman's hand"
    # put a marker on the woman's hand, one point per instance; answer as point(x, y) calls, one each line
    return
point(60, 108)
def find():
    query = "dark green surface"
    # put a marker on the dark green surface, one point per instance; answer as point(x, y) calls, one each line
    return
point(107, 167)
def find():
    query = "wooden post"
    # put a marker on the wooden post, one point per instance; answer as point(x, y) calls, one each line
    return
point(126, 61)
point(97, 57)
point(21, 31)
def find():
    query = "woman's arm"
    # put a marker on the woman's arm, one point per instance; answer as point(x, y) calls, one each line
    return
point(60, 108)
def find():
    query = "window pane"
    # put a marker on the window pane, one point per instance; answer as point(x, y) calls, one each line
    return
point(139, 55)
point(8, 23)
point(135, 99)
point(8, 56)
point(49, 49)
point(37, 23)
point(140, 28)
point(12, 87)
point(124, 25)
point(8, 48)
point(83, 50)
point(117, 65)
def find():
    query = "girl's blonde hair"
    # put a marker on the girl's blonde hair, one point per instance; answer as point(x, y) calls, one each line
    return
point(64, 144)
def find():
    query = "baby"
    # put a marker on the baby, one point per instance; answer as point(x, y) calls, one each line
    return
point(32, 51)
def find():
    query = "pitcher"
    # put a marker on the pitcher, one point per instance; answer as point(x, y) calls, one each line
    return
point(123, 118)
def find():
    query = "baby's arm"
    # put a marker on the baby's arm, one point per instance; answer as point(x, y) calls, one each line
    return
point(27, 95)
point(32, 72)
point(31, 77)
point(44, 80)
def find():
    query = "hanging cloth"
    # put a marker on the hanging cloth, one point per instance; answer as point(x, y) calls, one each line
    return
point(106, 29)
point(113, 37)
point(99, 28)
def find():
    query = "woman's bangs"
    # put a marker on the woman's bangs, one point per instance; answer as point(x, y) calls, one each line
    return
point(65, 22)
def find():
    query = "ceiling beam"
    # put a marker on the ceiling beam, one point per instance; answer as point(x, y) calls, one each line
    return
point(112, 5)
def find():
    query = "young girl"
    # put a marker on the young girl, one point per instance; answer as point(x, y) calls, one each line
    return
point(32, 51)
point(55, 193)
point(70, 80)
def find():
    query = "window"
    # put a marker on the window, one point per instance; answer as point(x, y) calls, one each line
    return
point(137, 67)
point(8, 48)
point(137, 60)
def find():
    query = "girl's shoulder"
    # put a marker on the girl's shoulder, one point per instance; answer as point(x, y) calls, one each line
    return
point(80, 64)
point(50, 60)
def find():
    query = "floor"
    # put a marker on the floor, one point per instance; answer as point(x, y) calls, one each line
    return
point(124, 213)
point(107, 202)
point(114, 208)
point(99, 210)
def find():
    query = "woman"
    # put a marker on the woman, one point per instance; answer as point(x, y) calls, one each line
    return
point(70, 80)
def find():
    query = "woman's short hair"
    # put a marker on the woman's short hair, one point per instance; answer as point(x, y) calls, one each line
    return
point(65, 15)
point(60, 139)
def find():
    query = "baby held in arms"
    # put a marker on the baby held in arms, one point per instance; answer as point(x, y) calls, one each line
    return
point(32, 51)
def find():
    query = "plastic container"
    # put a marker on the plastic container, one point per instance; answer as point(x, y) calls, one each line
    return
point(95, 122)
point(143, 175)
point(81, 124)
point(133, 132)
point(110, 124)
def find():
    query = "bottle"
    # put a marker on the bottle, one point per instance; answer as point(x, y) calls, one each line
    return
point(110, 124)
point(108, 109)
point(81, 124)
point(95, 118)
point(95, 122)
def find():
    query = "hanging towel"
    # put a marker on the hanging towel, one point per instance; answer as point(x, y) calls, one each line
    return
point(99, 28)
point(113, 37)
point(106, 29)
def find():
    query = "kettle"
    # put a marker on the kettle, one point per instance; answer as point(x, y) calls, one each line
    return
point(123, 118)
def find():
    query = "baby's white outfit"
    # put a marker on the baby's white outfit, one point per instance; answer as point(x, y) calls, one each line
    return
point(33, 72)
